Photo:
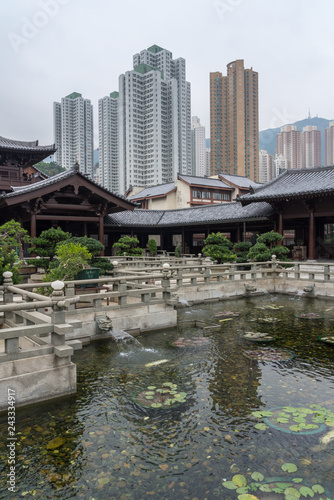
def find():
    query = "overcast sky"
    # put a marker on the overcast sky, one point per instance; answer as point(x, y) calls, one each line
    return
point(50, 48)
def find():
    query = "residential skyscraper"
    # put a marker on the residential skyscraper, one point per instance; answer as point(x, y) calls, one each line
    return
point(311, 147)
point(234, 121)
point(199, 159)
point(266, 166)
point(108, 142)
point(329, 145)
point(73, 132)
point(153, 123)
point(289, 145)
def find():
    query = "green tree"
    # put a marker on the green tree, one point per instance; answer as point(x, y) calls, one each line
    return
point(241, 249)
point(49, 169)
point(95, 247)
point(12, 235)
point(45, 246)
point(129, 245)
point(267, 245)
point(178, 251)
point(219, 248)
point(152, 246)
point(71, 258)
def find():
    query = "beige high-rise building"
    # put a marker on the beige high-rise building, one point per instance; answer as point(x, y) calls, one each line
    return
point(289, 145)
point(329, 145)
point(234, 121)
point(311, 147)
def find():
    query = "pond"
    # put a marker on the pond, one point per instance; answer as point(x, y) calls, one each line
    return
point(201, 411)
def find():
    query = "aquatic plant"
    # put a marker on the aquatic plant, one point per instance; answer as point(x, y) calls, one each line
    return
point(288, 489)
point(301, 420)
point(163, 396)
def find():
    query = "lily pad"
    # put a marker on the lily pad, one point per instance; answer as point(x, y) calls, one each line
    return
point(160, 397)
point(300, 420)
point(289, 467)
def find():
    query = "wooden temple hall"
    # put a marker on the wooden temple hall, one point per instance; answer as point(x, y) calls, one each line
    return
point(299, 204)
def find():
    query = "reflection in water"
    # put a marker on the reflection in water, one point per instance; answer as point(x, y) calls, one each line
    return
point(111, 447)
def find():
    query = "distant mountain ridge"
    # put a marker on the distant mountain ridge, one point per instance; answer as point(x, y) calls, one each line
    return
point(267, 138)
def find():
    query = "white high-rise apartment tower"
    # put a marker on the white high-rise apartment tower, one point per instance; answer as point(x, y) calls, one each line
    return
point(108, 142)
point(266, 166)
point(73, 132)
point(199, 148)
point(153, 124)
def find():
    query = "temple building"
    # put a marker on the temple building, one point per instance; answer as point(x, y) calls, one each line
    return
point(69, 200)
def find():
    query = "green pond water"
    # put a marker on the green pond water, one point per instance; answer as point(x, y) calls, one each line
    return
point(217, 439)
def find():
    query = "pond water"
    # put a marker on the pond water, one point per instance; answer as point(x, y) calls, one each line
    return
point(216, 440)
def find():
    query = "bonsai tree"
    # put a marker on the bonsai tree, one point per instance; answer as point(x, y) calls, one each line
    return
point(152, 246)
point(129, 245)
point(95, 247)
point(267, 245)
point(241, 249)
point(219, 248)
point(11, 236)
point(45, 245)
point(71, 258)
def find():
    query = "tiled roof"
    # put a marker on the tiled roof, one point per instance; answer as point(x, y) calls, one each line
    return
point(239, 180)
point(296, 183)
point(18, 190)
point(151, 191)
point(24, 145)
point(203, 181)
point(225, 212)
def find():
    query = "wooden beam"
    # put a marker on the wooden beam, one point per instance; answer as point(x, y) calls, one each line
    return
point(75, 218)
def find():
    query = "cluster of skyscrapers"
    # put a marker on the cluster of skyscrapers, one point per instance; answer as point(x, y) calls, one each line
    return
point(147, 135)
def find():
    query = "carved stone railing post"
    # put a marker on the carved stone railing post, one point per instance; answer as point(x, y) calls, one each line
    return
point(327, 273)
point(70, 292)
point(179, 277)
point(11, 345)
point(122, 299)
point(59, 326)
point(166, 274)
point(207, 273)
point(115, 270)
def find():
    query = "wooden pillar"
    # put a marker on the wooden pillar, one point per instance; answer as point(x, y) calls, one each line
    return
point(280, 226)
point(85, 229)
point(238, 233)
point(183, 242)
point(33, 233)
point(101, 232)
point(280, 223)
point(311, 236)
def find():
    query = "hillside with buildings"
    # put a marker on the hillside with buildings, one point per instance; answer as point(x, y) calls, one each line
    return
point(267, 138)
